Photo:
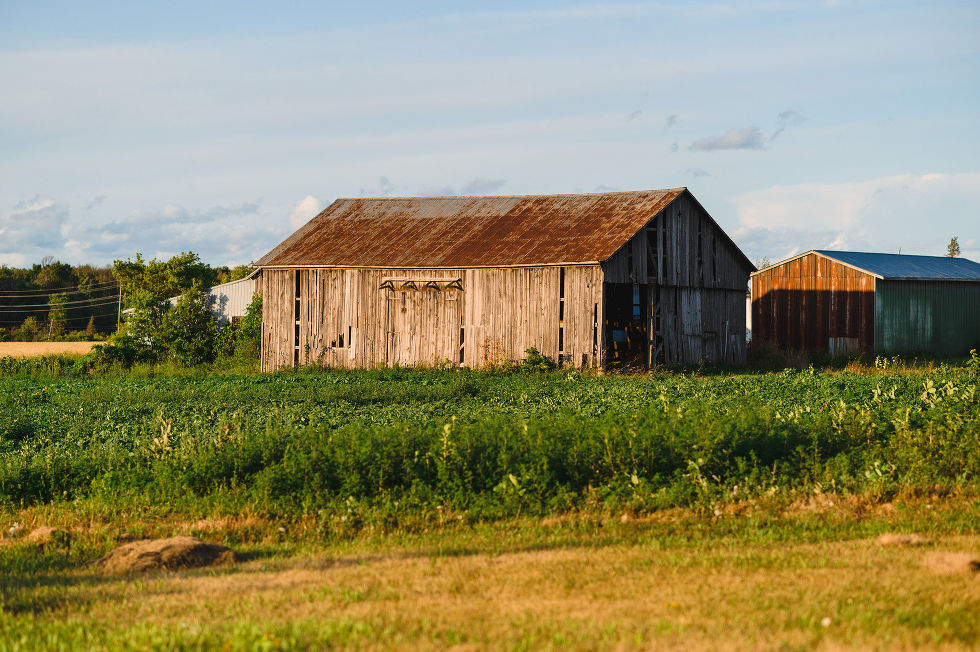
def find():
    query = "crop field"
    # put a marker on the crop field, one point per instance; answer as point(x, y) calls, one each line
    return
point(36, 349)
point(411, 508)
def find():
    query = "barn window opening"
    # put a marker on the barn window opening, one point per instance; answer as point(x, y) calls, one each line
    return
point(561, 315)
point(714, 259)
point(595, 331)
point(700, 252)
point(636, 303)
point(296, 312)
point(348, 335)
point(652, 242)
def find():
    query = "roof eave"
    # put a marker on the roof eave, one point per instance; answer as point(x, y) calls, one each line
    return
point(822, 255)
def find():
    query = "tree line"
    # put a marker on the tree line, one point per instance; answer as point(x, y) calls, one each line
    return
point(52, 300)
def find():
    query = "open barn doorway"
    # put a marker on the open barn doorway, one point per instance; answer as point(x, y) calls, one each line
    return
point(627, 338)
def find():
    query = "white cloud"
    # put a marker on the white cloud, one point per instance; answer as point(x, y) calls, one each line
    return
point(304, 210)
point(915, 213)
point(748, 138)
point(35, 224)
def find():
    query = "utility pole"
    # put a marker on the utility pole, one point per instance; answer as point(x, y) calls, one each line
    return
point(119, 309)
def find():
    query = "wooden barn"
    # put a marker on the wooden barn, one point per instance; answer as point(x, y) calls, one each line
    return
point(844, 301)
point(592, 280)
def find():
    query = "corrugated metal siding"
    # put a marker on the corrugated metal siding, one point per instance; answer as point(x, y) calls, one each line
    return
point(812, 303)
point(937, 317)
point(231, 299)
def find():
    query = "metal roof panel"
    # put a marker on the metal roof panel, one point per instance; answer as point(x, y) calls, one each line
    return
point(904, 266)
point(459, 232)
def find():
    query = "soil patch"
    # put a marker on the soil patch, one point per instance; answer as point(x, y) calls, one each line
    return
point(175, 553)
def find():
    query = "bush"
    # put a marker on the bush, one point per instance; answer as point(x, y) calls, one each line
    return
point(188, 332)
point(29, 330)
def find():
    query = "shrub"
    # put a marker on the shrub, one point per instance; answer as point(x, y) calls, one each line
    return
point(188, 332)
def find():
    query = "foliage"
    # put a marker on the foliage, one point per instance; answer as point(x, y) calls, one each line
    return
point(188, 332)
point(535, 361)
point(244, 339)
point(387, 445)
point(29, 330)
point(147, 283)
point(953, 248)
point(226, 275)
point(43, 291)
point(56, 314)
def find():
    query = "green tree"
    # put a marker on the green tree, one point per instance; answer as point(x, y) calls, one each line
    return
point(188, 332)
point(763, 263)
point(29, 330)
point(144, 283)
point(56, 314)
point(953, 248)
point(226, 275)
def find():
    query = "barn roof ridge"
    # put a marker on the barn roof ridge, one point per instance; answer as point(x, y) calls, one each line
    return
point(898, 267)
point(470, 231)
point(610, 193)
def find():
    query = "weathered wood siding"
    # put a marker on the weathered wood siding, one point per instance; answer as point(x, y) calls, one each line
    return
point(695, 282)
point(360, 318)
point(813, 303)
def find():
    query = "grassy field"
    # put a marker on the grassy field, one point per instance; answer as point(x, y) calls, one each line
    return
point(35, 349)
point(401, 508)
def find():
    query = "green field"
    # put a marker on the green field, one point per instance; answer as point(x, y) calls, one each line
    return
point(757, 493)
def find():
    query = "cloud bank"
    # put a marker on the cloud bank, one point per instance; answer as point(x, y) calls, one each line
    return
point(882, 215)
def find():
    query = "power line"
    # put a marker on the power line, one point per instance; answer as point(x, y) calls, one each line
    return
point(77, 289)
point(104, 301)
point(67, 319)
point(65, 303)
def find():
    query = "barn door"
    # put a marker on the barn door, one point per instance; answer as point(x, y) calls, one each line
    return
point(423, 327)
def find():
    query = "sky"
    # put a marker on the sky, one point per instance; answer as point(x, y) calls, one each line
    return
point(158, 128)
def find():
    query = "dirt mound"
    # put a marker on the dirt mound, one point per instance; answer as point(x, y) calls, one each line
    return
point(895, 539)
point(47, 536)
point(174, 553)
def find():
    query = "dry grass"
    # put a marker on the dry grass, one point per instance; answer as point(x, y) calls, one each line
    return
point(36, 349)
point(620, 588)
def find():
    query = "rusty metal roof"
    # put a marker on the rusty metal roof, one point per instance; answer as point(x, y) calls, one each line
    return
point(460, 232)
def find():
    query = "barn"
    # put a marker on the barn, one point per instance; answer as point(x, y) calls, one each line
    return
point(589, 280)
point(844, 301)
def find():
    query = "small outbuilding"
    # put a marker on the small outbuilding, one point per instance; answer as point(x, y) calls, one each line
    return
point(593, 280)
point(845, 301)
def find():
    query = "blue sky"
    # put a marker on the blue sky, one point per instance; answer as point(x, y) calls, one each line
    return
point(164, 127)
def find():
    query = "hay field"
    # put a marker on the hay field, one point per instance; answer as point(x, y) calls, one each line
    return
point(36, 349)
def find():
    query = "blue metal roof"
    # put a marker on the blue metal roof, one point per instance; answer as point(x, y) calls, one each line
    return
point(902, 266)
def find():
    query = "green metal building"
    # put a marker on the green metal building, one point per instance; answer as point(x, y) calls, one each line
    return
point(845, 301)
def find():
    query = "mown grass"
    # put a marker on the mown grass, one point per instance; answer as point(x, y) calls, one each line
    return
point(612, 496)
point(768, 574)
